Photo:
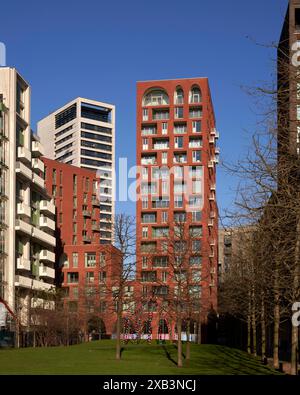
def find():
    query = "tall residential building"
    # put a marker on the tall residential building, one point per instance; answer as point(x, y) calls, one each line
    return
point(27, 213)
point(85, 268)
point(82, 133)
point(288, 62)
point(177, 155)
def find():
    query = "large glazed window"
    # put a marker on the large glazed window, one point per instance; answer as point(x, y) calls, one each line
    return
point(156, 97)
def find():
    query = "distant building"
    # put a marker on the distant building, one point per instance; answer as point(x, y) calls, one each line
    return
point(82, 133)
point(86, 269)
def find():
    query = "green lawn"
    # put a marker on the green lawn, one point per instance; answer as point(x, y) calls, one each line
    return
point(98, 358)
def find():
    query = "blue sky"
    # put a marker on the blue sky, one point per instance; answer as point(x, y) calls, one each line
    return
point(99, 49)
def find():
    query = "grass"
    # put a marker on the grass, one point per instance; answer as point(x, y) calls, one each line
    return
point(140, 359)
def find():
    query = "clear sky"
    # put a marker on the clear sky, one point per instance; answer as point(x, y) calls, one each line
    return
point(99, 49)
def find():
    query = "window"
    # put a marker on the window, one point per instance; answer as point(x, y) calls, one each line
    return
point(196, 216)
point(165, 187)
point(145, 173)
point(178, 201)
point(164, 158)
point(164, 246)
point(178, 112)
point(102, 277)
point(148, 218)
point(60, 218)
point(145, 232)
point(148, 276)
point(145, 114)
point(54, 190)
point(89, 277)
point(74, 201)
point(160, 232)
point(90, 259)
point(196, 231)
point(179, 217)
point(164, 277)
point(179, 96)
point(164, 128)
point(180, 128)
point(196, 186)
point(54, 176)
point(195, 95)
point(75, 292)
point(196, 245)
point(195, 201)
point(164, 216)
point(144, 262)
point(178, 171)
point(74, 240)
point(144, 202)
point(196, 156)
point(178, 142)
point(196, 172)
point(196, 126)
point(195, 112)
point(145, 144)
point(73, 277)
point(156, 98)
point(75, 259)
point(102, 259)
point(160, 261)
point(195, 261)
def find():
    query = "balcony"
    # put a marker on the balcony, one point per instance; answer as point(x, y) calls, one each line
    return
point(23, 227)
point(213, 187)
point(180, 159)
point(47, 207)
point(210, 223)
point(212, 140)
point(23, 264)
point(151, 160)
point(96, 228)
point(212, 197)
point(95, 201)
point(23, 171)
point(195, 143)
point(46, 271)
point(37, 149)
point(46, 222)
point(38, 181)
point(43, 237)
point(211, 254)
point(47, 256)
point(212, 271)
point(212, 214)
point(212, 242)
point(25, 282)
point(214, 133)
point(86, 213)
point(211, 164)
point(24, 155)
point(217, 150)
point(23, 210)
point(149, 131)
point(87, 239)
point(38, 165)
point(161, 145)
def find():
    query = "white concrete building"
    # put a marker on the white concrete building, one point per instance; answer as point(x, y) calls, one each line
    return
point(82, 133)
point(27, 214)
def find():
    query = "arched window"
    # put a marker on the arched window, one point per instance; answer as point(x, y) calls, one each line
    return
point(178, 96)
point(195, 95)
point(156, 97)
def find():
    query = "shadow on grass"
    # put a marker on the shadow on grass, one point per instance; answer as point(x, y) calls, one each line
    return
point(168, 355)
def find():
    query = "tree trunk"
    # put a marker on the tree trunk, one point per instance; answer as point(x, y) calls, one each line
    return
point(263, 331)
point(276, 334)
point(118, 334)
point(188, 343)
point(249, 325)
point(199, 334)
point(254, 336)
point(179, 343)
